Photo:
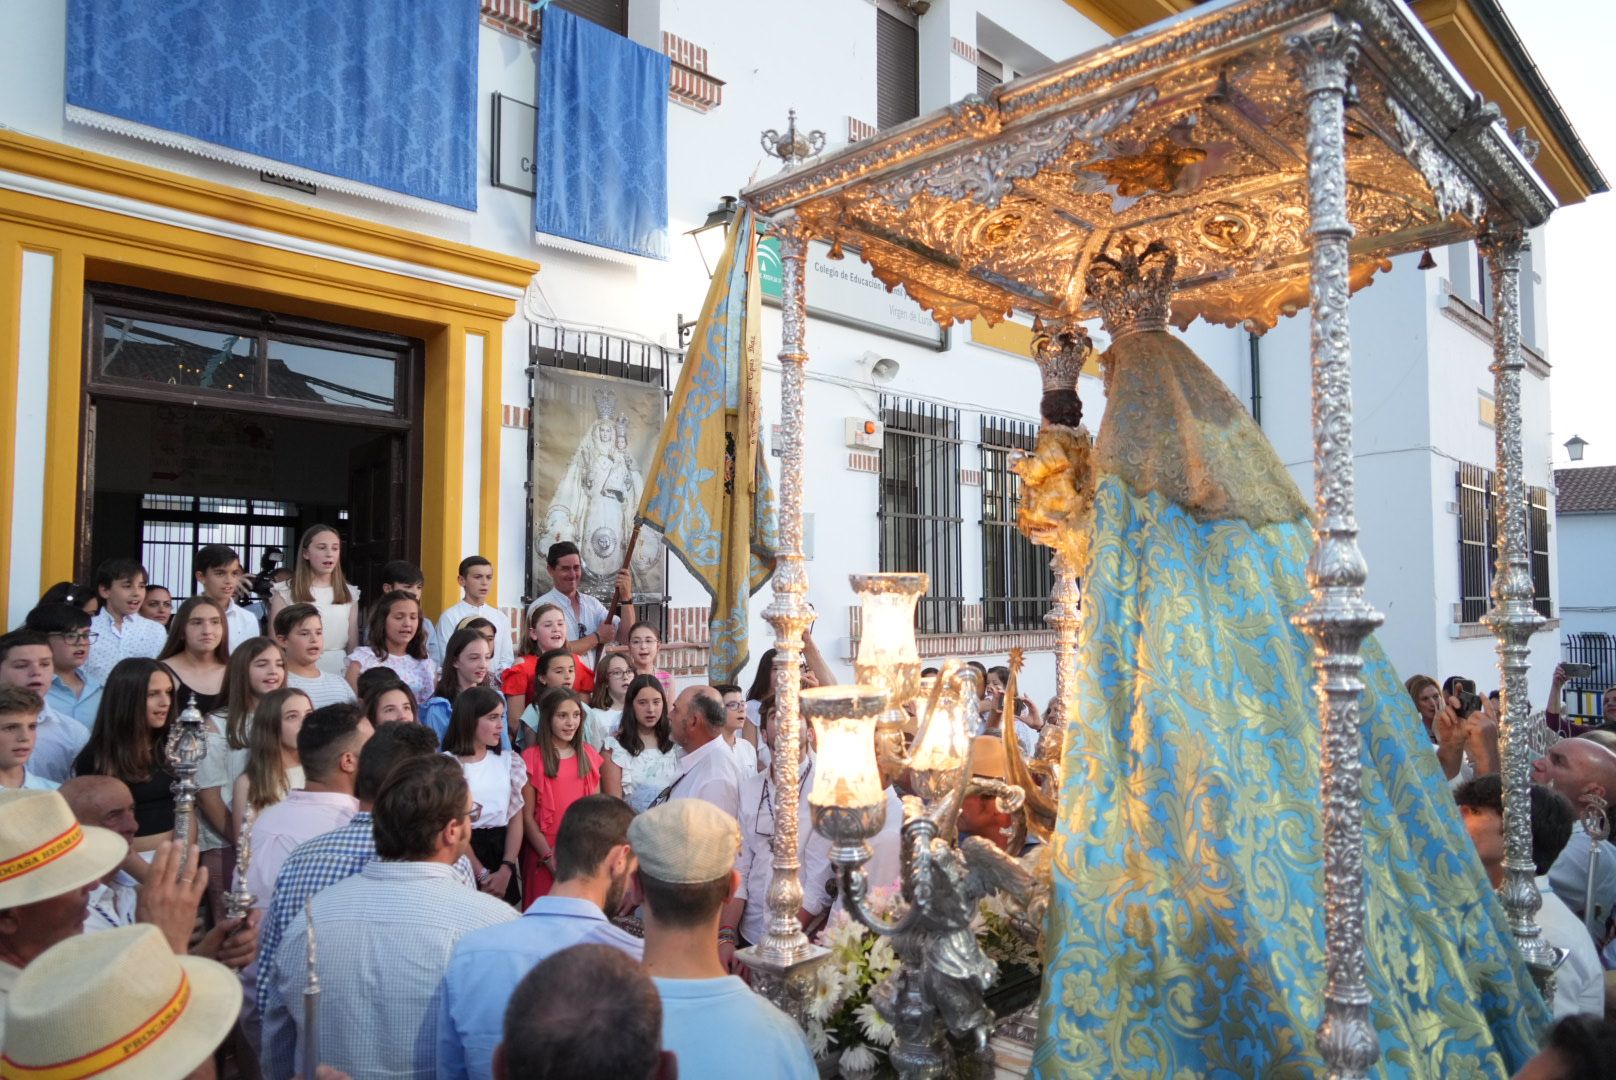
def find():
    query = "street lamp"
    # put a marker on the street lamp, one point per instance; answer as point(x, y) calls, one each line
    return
point(1574, 447)
point(709, 235)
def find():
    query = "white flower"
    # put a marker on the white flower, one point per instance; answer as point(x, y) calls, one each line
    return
point(827, 994)
point(858, 1058)
point(818, 1041)
point(882, 960)
point(874, 1026)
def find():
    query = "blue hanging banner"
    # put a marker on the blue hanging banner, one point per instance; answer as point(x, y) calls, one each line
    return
point(602, 154)
point(374, 100)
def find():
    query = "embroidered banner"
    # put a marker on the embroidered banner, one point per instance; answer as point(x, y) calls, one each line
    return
point(603, 138)
point(346, 94)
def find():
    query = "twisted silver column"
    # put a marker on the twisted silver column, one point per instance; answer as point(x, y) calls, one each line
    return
point(1513, 618)
point(1338, 617)
point(784, 959)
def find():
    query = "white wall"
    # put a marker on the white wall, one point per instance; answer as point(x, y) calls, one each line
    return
point(1587, 546)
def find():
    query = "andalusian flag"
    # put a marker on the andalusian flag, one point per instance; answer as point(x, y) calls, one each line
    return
point(708, 493)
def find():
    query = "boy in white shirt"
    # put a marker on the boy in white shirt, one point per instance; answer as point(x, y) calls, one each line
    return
point(19, 727)
point(121, 631)
point(217, 569)
point(301, 635)
point(476, 582)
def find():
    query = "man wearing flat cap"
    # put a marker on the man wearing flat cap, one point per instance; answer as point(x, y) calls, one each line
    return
point(715, 1025)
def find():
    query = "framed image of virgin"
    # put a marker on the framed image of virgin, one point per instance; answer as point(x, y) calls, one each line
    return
point(593, 437)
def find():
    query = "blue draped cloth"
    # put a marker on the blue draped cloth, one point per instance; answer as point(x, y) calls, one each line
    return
point(602, 139)
point(1186, 930)
point(381, 95)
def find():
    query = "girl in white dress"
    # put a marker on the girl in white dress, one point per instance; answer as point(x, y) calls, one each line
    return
point(643, 748)
point(397, 642)
point(317, 579)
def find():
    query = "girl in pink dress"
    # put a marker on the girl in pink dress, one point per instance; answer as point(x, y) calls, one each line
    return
point(561, 769)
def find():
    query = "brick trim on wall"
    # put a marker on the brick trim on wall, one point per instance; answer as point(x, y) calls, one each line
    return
point(515, 416)
point(689, 82)
point(965, 50)
point(513, 17)
point(857, 129)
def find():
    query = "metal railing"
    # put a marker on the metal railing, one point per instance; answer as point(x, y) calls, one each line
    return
point(1584, 698)
point(1478, 544)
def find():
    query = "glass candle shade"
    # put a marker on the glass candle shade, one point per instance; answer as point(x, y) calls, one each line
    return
point(845, 774)
point(888, 655)
point(944, 742)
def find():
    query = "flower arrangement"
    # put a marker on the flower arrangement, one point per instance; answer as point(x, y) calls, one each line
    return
point(843, 1022)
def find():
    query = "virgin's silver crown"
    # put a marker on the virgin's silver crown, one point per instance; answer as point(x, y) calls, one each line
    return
point(1061, 350)
point(1133, 287)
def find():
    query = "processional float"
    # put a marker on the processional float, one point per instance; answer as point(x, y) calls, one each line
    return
point(1283, 151)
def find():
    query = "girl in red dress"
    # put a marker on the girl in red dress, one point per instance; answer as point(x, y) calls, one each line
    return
point(561, 769)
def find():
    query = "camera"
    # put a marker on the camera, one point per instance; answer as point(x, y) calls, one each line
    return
point(1469, 703)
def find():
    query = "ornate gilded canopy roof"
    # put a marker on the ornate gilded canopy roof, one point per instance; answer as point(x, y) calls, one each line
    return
point(1192, 132)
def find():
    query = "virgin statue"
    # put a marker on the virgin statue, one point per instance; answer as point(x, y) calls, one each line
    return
point(1186, 933)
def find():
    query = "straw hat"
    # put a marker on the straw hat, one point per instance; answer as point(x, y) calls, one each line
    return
point(685, 841)
point(45, 852)
point(117, 1004)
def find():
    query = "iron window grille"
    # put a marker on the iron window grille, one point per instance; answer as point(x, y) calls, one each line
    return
point(173, 527)
point(919, 511)
point(1016, 574)
point(1478, 544)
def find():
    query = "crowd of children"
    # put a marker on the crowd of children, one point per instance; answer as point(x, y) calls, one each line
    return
point(94, 680)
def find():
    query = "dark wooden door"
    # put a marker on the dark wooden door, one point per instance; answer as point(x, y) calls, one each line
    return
point(376, 510)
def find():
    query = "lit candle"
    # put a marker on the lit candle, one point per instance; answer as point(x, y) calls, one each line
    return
point(944, 743)
point(845, 772)
point(887, 619)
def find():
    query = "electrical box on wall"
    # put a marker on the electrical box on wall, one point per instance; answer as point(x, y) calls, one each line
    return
point(864, 433)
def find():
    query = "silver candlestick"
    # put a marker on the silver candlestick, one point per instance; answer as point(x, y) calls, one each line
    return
point(239, 900)
point(184, 752)
point(937, 992)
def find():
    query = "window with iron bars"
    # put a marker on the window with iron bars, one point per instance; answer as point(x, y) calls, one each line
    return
point(1016, 575)
point(172, 527)
point(1478, 544)
point(919, 512)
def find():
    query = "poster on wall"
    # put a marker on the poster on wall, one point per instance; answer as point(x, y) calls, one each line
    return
point(593, 437)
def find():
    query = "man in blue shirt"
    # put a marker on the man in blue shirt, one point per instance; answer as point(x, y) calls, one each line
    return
point(341, 853)
point(593, 864)
point(614, 1029)
point(716, 1026)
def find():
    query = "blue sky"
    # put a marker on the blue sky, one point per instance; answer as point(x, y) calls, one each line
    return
point(1567, 38)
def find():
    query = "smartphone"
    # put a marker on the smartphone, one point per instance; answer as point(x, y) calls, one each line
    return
point(1573, 670)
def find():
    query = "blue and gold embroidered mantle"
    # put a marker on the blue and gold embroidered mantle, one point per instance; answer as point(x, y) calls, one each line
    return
point(1186, 933)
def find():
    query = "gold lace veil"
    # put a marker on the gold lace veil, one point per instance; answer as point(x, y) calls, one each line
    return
point(1171, 426)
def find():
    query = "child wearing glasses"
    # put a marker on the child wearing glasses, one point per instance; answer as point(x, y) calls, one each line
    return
point(73, 691)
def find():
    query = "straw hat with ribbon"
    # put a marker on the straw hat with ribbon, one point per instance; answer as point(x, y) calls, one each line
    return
point(116, 1005)
point(45, 852)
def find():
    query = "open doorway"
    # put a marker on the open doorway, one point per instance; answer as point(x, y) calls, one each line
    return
point(211, 424)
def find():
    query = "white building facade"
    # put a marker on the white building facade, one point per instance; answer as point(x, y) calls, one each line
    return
point(457, 299)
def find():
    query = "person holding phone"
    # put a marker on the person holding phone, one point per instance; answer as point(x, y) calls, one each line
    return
point(1568, 726)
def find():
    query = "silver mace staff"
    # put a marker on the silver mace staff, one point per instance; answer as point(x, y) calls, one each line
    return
point(184, 752)
point(311, 1001)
